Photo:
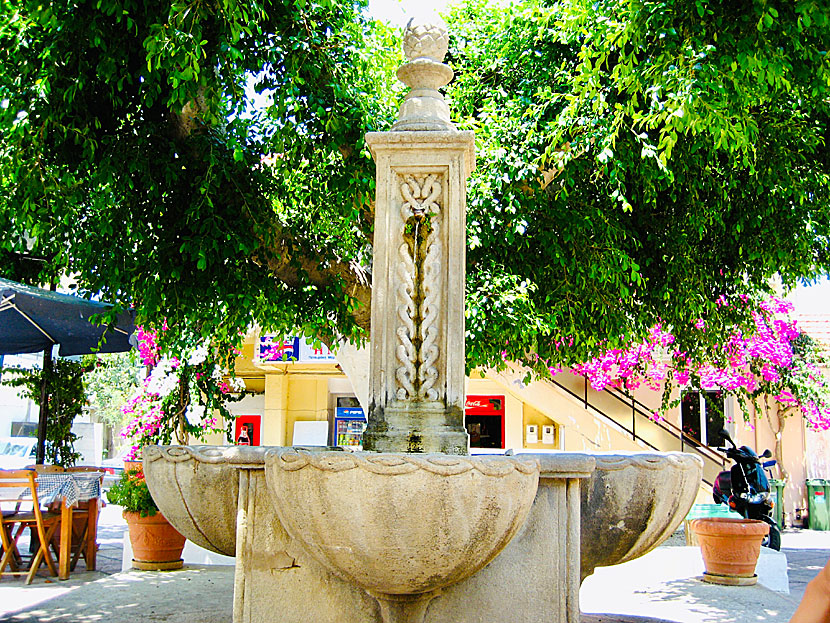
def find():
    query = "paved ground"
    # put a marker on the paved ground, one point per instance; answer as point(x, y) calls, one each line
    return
point(662, 587)
point(665, 586)
point(807, 552)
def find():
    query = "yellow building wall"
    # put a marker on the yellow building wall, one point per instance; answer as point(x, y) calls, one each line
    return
point(276, 409)
point(758, 434)
point(290, 398)
point(307, 402)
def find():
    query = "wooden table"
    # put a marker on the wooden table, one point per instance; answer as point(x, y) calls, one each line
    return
point(70, 488)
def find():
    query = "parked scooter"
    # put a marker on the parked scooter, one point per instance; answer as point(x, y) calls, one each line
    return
point(745, 488)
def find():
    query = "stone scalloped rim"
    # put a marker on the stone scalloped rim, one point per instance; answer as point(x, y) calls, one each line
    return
point(617, 460)
point(577, 463)
point(392, 464)
point(559, 465)
point(235, 455)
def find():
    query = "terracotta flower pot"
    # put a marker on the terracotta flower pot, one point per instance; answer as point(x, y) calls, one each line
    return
point(730, 548)
point(156, 544)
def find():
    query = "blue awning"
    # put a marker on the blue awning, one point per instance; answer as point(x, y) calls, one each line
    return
point(33, 320)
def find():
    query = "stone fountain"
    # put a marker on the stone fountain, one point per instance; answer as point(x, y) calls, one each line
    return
point(413, 530)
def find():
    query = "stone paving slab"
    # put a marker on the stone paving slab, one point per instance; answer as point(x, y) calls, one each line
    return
point(666, 585)
point(615, 618)
point(194, 594)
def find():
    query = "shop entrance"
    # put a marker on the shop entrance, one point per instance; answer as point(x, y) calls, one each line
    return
point(484, 420)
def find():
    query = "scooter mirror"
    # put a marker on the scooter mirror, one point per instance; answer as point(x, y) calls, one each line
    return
point(725, 434)
point(766, 454)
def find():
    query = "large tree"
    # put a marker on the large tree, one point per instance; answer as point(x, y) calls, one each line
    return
point(636, 161)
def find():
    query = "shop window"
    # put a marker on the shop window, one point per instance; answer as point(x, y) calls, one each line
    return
point(484, 419)
point(702, 415)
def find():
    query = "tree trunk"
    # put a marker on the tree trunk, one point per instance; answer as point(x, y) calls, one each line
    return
point(777, 419)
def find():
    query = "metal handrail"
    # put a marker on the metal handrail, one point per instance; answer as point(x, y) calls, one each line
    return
point(678, 432)
point(601, 413)
point(694, 445)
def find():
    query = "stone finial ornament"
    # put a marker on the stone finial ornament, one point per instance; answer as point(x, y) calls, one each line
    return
point(425, 40)
point(425, 44)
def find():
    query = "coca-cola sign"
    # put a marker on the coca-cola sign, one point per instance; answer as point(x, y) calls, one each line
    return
point(484, 405)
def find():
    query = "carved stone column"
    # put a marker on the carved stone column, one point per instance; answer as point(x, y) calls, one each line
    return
point(416, 370)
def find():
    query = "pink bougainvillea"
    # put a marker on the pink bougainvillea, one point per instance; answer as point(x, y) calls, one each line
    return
point(774, 360)
point(629, 368)
point(180, 396)
point(148, 349)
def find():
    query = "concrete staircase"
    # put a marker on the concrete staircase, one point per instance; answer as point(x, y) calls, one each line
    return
point(604, 420)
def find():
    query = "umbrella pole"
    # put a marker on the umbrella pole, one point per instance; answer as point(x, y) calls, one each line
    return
point(43, 416)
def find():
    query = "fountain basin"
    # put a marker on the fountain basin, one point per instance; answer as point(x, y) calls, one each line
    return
point(197, 487)
point(416, 523)
point(633, 502)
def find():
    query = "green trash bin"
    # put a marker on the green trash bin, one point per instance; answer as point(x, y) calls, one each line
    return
point(777, 489)
point(705, 511)
point(817, 507)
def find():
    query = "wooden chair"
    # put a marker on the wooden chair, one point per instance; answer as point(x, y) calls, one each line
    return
point(17, 486)
point(47, 469)
point(54, 507)
point(82, 546)
point(6, 538)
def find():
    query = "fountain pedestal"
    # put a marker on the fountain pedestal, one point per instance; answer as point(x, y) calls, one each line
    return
point(416, 369)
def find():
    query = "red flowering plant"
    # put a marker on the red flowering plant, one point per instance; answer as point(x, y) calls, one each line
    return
point(183, 396)
point(132, 493)
point(774, 366)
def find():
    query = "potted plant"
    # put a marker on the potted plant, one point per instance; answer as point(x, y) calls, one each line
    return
point(184, 396)
point(730, 548)
point(156, 544)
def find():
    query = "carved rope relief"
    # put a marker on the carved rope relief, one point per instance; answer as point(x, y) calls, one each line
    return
point(418, 288)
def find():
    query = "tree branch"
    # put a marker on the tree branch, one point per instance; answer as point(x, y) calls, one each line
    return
point(294, 267)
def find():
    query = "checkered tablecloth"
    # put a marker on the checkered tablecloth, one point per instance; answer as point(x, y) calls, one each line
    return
point(74, 487)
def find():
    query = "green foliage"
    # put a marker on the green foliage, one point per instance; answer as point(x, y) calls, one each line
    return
point(66, 401)
point(636, 161)
point(205, 162)
point(132, 493)
point(111, 380)
point(131, 154)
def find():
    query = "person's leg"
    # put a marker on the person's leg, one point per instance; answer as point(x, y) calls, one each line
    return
point(815, 605)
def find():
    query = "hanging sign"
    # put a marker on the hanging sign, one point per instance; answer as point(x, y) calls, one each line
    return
point(290, 349)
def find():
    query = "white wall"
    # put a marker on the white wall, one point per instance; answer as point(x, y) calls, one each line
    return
point(249, 405)
point(13, 408)
point(90, 441)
